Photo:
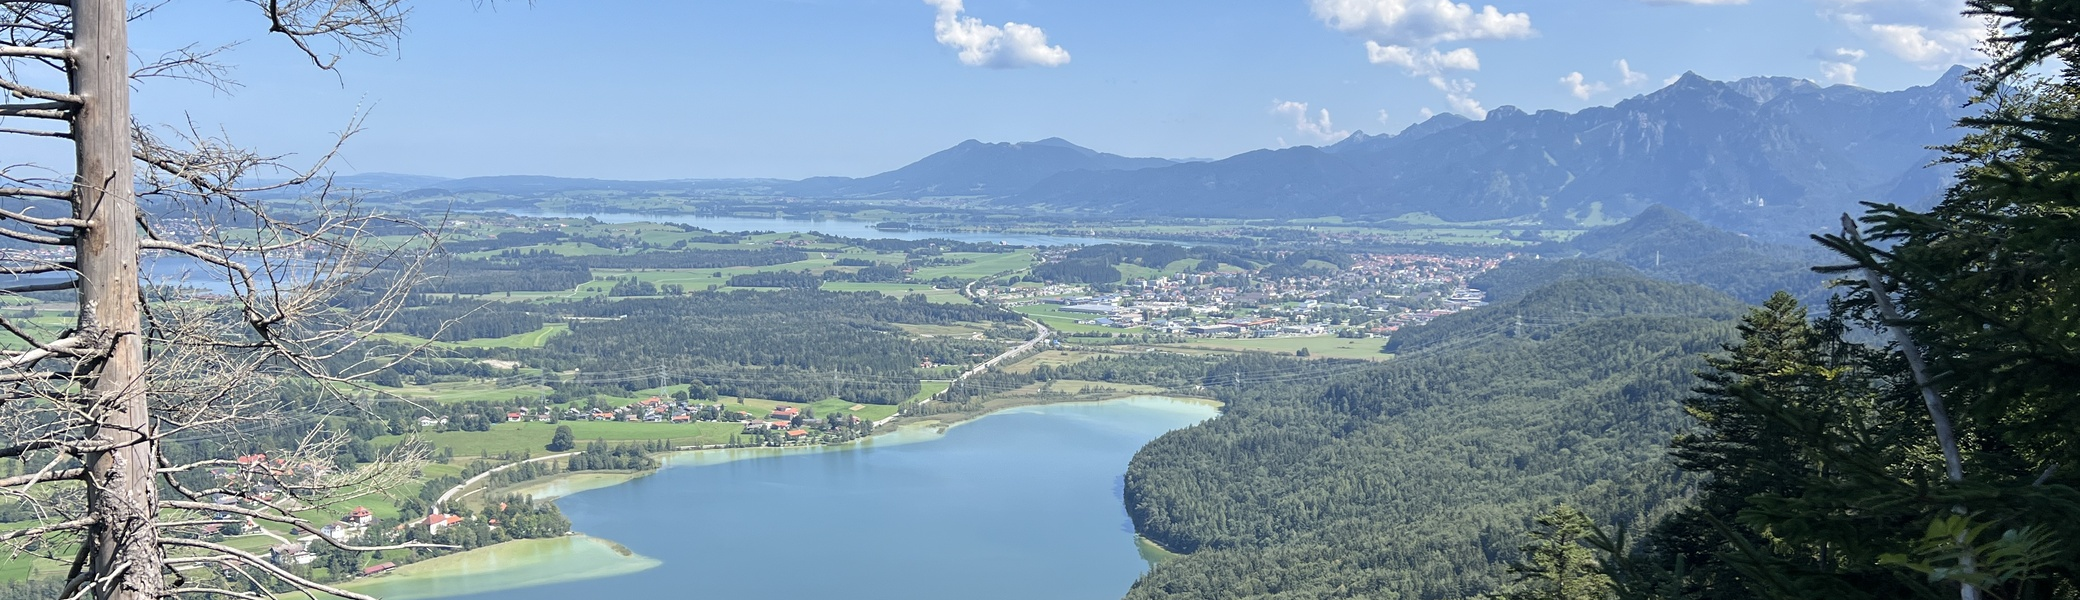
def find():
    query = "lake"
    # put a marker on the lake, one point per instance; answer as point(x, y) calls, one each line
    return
point(1020, 504)
point(850, 229)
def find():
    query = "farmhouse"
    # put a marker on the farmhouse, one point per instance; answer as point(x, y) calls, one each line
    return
point(436, 522)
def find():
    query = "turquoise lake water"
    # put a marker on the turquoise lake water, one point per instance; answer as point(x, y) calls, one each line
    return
point(1017, 505)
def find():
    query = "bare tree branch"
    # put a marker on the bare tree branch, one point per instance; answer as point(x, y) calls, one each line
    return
point(57, 111)
point(233, 554)
point(37, 52)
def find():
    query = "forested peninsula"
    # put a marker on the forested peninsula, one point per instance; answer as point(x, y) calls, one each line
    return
point(1413, 479)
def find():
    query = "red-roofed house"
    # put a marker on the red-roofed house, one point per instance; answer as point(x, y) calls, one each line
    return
point(796, 434)
point(786, 412)
point(436, 522)
point(378, 569)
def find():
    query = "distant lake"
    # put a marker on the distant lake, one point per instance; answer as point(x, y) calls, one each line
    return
point(850, 229)
point(1023, 504)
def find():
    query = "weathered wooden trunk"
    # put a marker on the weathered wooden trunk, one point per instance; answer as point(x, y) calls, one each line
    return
point(123, 553)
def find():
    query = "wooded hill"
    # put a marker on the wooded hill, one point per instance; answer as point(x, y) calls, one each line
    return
point(1668, 244)
point(1414, 479)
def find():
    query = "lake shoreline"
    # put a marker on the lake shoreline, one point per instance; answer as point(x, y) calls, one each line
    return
point(555, 487)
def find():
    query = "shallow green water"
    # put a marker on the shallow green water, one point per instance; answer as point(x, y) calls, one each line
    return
point(506, 566)
point(1020, 504)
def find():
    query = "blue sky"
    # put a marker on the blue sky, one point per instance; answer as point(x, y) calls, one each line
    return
point(795, 88)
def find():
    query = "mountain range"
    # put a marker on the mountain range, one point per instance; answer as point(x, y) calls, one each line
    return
point(1775, 157)
point(1749, 155)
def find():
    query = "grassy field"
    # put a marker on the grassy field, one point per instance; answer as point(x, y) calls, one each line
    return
point(1051, 358)
point(956, 331)
point(534, 437)
point(1061, 321)
point(466, 391)
point(985, 264)
point(867, 412)
point(899, 290)
point(531, 339)
point(928, 389)
point(1317, 347)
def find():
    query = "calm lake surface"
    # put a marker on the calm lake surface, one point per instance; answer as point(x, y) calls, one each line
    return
point(851, 229)
point(1020, 504)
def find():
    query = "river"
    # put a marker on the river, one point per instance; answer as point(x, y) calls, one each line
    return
point(1019, 504)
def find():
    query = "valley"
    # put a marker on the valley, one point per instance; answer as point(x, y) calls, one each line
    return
point(1677, 338)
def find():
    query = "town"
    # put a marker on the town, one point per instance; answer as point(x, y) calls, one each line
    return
point(1375, 296)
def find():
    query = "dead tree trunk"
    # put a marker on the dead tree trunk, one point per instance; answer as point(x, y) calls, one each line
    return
point(123, 551)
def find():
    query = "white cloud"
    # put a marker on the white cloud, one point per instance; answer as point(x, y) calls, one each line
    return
point(1315, 125)
point(1426, 113)
point(1466, 106)
point(1629, 77)
point(1010, 46)
point(1383, 117)
point(1580, 88)
point(1420, 22)
point(1929, 33)
point(1426, 62)
point(1405, 33)
point(1839, 64)
point(1695, 2)
point(1458, 94)
point(1839, 72)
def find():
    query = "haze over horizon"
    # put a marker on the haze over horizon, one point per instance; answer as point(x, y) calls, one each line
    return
point(686, 90)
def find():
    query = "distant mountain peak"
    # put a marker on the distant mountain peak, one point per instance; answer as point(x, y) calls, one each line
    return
point(1434, 124)
point(977, 168)
point(1506, 111)
point(1055, 141)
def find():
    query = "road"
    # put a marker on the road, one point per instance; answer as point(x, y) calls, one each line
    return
point(1040, 335)
point(480, 477)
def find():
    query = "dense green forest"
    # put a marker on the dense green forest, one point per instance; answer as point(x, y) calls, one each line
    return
point(1938, 464)
point(1670, 245)
point(1413, 479)
point(792, 345)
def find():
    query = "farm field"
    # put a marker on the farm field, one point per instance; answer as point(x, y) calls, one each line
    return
point(534, 437)
point(986, 264)
point(1061, 321)
point(899, 290)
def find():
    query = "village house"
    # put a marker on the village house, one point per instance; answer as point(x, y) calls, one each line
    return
point(436, 522)
point(290, 554)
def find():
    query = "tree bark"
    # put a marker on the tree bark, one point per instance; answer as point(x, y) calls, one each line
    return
point(123, 551)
